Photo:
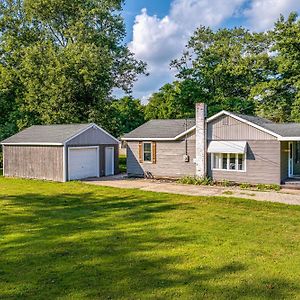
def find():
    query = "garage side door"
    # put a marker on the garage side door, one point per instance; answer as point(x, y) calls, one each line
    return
point(83, 163)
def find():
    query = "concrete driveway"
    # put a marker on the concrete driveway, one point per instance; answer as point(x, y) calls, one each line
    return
point(291, 197)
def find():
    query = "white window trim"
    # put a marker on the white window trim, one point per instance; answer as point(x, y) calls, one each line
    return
point(228, 163)
point(87, 147)
point(147, 161)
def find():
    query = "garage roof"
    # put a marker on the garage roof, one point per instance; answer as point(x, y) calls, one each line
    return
point(47, 134)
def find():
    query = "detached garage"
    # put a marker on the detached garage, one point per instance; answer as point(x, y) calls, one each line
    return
point(61, 152)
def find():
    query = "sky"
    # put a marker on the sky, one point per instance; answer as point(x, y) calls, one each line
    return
point(158, 30)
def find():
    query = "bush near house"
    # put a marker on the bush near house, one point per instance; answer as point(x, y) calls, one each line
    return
point(194, 180)
point(78, 241)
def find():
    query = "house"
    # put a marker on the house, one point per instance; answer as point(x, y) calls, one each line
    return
point(226, 146)
point(61, 152)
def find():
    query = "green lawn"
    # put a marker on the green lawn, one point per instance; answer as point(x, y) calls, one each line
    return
point(76, 241)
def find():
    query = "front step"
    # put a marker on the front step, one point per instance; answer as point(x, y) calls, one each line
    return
point(293, 183)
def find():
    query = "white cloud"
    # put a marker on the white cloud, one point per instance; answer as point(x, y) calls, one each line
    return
point(159, 40)
point(263, 13)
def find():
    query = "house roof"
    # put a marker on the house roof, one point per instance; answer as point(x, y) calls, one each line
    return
point(173, 129)
point(47, 134)
point(282, 129)
point(161, 129)
point(254, 119)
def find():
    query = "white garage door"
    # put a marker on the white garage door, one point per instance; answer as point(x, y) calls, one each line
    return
point(83, 162)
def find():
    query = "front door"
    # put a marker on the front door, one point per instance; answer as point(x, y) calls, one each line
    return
point(294, 159)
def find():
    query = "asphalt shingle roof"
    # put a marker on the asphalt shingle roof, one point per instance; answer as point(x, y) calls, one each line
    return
point(56, 134)
point(161, 128)
point(254, 119)
point(283, 129)
point(172, 128)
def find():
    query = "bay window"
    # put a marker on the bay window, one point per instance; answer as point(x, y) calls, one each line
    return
point(228, 161)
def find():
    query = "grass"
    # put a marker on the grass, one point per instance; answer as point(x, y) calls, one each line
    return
point(76, 241)
point(122, 163)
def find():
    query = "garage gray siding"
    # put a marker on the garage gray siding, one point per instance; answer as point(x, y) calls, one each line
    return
point(92, 136)
point(227, 128)
point(169, 159)
point(42, 162)
point(262, 164)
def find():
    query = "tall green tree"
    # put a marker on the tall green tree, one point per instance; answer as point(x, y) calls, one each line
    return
point(221, 67)
point(278, 96)
point(127, 114)
point(162, 104)
point(60, 60)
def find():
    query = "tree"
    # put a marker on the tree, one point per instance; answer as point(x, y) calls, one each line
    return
point(60, 60)
point(221, 67)
point(278, 96)
point(128, 114)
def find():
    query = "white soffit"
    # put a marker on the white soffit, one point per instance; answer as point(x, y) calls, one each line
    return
point(239, 147)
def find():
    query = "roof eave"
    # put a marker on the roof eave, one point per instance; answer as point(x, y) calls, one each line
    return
point(289, 138)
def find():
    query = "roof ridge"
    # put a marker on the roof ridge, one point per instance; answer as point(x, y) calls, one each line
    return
point(65, 124)
point(181, 119)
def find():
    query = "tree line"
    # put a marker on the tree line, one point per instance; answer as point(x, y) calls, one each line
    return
point(236, 70)
point(61, 60)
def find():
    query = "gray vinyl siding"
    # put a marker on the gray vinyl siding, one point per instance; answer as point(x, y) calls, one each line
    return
point(42, 162)
point(169, 159)
point(284, 160)
point(92, 136)
point(262, 165)
point(265, 159)
point(101, 157)
point(227, 128)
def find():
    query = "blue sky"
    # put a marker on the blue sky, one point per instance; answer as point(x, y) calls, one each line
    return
point(158, 30)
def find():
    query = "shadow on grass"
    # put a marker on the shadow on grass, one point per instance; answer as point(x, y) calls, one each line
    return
point(99, 246)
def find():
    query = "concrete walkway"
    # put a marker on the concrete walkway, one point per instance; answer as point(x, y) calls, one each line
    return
point(291, 197)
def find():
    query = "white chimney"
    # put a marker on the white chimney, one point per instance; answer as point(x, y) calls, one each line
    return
point(201, 139)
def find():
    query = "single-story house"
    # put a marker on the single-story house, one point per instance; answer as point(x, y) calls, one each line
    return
point(226, 146)
point(61, 152)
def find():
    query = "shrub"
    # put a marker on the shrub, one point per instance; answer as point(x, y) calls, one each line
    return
point(245, 186)
point(225, 183)
point(268, 187)
point(196, 180)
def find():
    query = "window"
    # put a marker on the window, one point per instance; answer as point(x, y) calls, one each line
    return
point(228, 161)
point(147, 152)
